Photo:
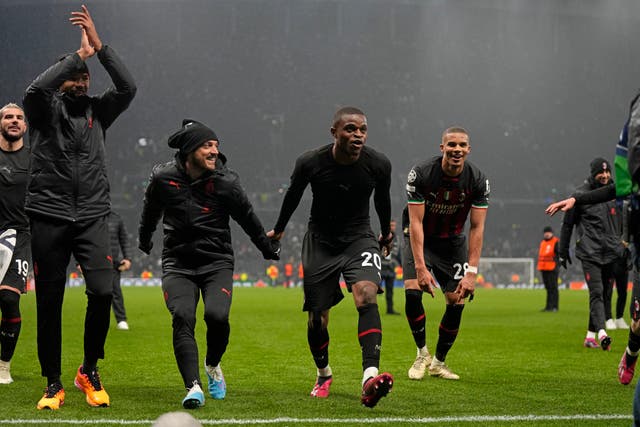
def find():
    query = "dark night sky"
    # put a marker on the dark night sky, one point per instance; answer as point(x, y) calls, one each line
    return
point(542, 86)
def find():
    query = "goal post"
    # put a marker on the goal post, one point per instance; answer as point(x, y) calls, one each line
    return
point(507, 272)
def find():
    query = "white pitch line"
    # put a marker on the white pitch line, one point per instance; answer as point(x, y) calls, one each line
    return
point(424, 420)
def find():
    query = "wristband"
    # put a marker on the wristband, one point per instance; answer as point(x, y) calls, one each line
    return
point(471, 269)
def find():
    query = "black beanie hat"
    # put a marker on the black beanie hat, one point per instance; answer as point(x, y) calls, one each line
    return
point(548, 229)
point(81, 68)
point(599, 165)
point(191, 136)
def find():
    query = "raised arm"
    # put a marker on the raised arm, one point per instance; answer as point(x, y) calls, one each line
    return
point(599, 195)
point(114, 100)
point(38, 95)
point(90, 42)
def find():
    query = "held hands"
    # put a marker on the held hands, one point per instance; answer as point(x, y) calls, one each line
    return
point(274, 252)
point(89, 40)
point(269, 245)
point(425, 280)
point(386, 243)
point(273, 235)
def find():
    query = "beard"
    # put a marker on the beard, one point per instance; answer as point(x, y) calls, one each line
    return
point(10, 137)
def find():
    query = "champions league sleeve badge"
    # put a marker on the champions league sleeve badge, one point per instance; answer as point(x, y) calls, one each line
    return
point(412, 176)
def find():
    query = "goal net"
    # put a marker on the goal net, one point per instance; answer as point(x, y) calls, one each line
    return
point(506, 272)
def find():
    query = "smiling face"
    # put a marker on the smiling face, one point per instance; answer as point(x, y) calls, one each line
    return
point(12, 124)
point(350, 135)
point(455, 148)
point(202, 159)
point(603, 177)
point(77, 85)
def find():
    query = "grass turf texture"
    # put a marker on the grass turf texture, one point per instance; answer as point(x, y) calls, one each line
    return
point(513, 360)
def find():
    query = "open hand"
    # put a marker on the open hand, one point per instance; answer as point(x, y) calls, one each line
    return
point(90, 42)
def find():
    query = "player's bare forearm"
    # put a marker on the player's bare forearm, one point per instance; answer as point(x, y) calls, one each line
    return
point(476, 235)
point(416, 233)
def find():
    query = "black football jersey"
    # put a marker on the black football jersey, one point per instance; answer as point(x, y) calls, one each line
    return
point(14, 166)
point(447, 199)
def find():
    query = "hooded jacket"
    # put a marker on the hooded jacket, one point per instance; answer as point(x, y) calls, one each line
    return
point(68, 177)
point(195, 217)
point(598, 229)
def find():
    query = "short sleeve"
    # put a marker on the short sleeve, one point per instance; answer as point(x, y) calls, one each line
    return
point(414, 196)
point(481, 193)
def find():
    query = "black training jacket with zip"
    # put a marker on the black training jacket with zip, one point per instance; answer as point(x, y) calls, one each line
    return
point(68, 176)
point(195, 217)
point(598, 229)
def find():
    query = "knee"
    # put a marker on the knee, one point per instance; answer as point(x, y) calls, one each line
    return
point(9, 300)
point(216, 315)
point(99, 283)
point(100, 294)
point(318, 320)
point(365, 293)
point(183, 316)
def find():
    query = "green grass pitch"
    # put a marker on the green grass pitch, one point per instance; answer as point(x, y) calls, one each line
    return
point(513, 360)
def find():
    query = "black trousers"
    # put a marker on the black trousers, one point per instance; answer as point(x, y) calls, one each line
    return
point(182, 293)
point(599, 280)
point(621, 277)
point(550, 280)
point(389, 280)
point(52, 242)
point(117, 303)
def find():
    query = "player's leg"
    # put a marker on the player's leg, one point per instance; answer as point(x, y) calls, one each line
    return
point(117, 302)
point(321, 292)
point(318, 340)
point(217, 289)
point(91, 249)
point(51, 251)
point(11, 286)
point(9, 330)
point(551, 289)
point(181, 294)
point(607, 296)
point(362, 273)
point(627, 365)
point(448, 259)
point(555, 296)
point(414, 310)
point(545, 280)
point(594, 275)
point(621, 276)
point(389, 280)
